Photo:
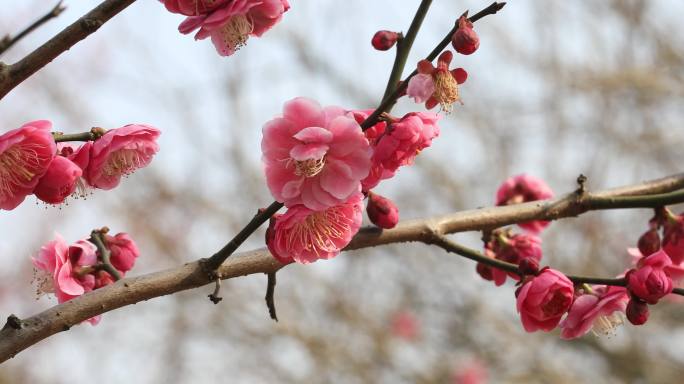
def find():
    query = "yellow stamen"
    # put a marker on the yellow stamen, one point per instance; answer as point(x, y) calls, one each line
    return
point(236, 32)
point(607, 325)
point(319, 230)
point(123, 162)
point(19, 165)
point(446, 90)
point(309, 167)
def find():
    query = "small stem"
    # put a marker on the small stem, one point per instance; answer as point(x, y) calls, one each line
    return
point(450, 246)
point(643, 201)
point(219, 257)
point(97, 238)
point(270, 293)
point(82, 136)
point(404, 47)
point(7, 42)
point(215, 296)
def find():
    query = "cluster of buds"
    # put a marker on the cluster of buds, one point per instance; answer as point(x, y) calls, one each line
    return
point(32, 163)
point(68, 271)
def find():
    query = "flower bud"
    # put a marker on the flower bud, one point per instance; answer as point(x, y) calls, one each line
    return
point(123, 251)
point(382, 211)
point(528, 266)
point(637, 311)
point(465, 40)
point(384, 40)
point(649, 242)
point(59, 181)
point(485, 271)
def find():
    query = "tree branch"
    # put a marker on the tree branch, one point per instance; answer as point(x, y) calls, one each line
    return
point(8, 41)
point(15, 74)
point(192, 275)
point(404, 45)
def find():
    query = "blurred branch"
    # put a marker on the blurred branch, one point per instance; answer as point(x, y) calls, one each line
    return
point(14, 74)
point(8, 41)
point(192, 275)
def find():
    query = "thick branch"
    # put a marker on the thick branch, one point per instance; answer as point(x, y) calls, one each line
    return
point(13, 75)
point(191, 275)
point(8, 41)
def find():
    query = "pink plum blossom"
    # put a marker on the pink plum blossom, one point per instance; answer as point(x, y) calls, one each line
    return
point(123, 250)
point(61, 266)
point(120, 152)
point(675, 271)
point(25, 155)
point(399, 145)
point(673, 237)
point(304, 235)
point(231, 24)
point(543, 300)
point(600, 310)
point(513, 249)
point(521, 189)
point(438, 85)
point(59, 181)
point(382, 211)
point(192, 7)
point(313, 156)
point(405, 325)
point(650, 281)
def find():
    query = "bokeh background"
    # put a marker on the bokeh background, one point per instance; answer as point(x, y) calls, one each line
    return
point(556, 89)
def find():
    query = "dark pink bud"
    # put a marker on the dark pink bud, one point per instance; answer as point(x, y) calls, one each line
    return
point(528, 266)
point(673, 237)
point(649, 242)
point(59, 181)
point(384, 40)
point(650, 281)
point(382, 211)
point(485, 271)
point(637, 311)
point(123, 251)
point(102, 279)
point(465, 40)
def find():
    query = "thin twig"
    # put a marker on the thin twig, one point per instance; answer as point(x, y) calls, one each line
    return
point(15, 74)
point(8, 41)
point(270, 293)
point(97, 238)
point(215, 296)
point(403, 49)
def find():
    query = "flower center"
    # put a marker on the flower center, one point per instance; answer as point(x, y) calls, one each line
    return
point(607, 325)
point(446, 90)
point(319, 231)
point(123, 162)
point(236, 32)
point(557, 305)
point(19, 165)
point(309, 167)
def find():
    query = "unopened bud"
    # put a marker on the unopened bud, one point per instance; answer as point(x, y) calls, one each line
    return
point(382, 211)
point(384, 40)
point(528, 266)
point(465, 40)
point(637, 311)
point(485, 271)
point(649, 242)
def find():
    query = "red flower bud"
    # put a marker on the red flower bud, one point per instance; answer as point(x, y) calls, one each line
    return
point(382, 211)
point(485, 271)
point(384, 40)
point(465, 40)
point(528, 266)
point(637, 311)
point(649, 242)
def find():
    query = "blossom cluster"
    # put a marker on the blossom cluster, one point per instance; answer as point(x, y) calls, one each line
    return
point(32, 163)
point(229, 23)
point(70, 270)
point(547, 298)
